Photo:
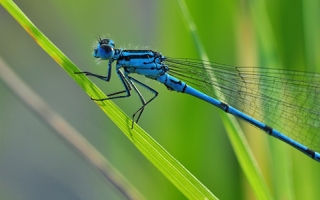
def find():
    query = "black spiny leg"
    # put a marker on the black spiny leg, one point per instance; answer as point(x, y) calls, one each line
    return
point(105, 78)
point(141, 109)
point(128, 83)
point(124, 81)
point(126, 90)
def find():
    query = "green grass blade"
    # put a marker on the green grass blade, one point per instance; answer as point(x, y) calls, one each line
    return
point(235, 133)
point(64, 130)
point(191, 187)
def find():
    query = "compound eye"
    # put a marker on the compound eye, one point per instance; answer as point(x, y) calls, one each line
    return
point(105, 51)
point(106, 47)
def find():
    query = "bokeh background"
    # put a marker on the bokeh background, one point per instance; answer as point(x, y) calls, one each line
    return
point(36, 164)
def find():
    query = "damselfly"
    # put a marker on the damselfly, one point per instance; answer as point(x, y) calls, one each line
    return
point(288, 101)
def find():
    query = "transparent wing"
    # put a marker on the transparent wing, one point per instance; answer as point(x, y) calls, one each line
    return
point(288, 101)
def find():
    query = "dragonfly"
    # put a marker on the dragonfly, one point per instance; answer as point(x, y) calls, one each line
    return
point(288, 101)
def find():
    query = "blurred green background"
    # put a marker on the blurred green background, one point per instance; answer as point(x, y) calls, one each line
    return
point(35, 164)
